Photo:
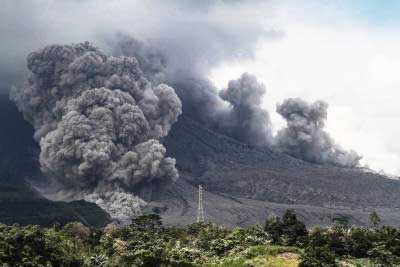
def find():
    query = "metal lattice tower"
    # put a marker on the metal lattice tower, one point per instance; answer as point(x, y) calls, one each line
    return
point(200, 211)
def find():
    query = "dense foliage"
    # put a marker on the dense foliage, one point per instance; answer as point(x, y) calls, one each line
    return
point(146, 242)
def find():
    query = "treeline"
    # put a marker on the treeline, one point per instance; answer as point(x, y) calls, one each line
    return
point(146, 242)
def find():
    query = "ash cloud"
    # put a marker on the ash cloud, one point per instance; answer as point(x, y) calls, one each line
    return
point(98, 120)
point(305, 137)
point(175, 43)
point(247, 120)
point(197, 34)
point(235, 111)
point(204, 35)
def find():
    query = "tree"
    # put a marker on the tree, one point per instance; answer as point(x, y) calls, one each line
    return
point(337, 240)
point(273, 227)
point(383, 257)
point(293, 229)
point(317, 257)
point(35, 246)
point(318, 237)
point(147, 222)
point(360, 241)
point(374, 219)
point(288, 231)
point(77, 231)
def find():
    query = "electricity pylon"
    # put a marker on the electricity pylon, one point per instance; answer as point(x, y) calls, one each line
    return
point(200, 211)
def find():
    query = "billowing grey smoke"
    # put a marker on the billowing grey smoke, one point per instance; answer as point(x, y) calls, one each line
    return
point(204, 35)
point(98, 120)
point(235, 111)
point(248, 122)
point(197, 34)
point(305, 137)
point(104, 134)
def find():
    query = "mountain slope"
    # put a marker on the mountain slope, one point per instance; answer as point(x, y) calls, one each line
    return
point(244, 184)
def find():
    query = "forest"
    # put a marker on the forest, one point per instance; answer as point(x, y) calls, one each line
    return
point(280, 242)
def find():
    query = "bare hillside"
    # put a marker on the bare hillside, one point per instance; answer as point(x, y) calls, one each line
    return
point(244, 184)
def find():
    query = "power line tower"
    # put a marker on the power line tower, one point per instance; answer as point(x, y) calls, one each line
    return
point(200, 211)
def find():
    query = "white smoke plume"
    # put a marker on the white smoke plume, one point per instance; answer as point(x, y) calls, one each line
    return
point(97, 119)
point(305, 137)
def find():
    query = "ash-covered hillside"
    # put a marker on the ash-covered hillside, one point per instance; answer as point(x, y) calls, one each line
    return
point(244, 184)
point(224, 165)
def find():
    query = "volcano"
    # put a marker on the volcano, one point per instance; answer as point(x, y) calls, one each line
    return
point(242, 184)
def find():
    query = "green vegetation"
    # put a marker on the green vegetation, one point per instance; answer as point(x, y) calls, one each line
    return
point(282, 242)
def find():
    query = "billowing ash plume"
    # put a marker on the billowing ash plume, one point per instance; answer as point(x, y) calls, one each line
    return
point(305, 137)
point(204, 35)
point(185, 72)
point(235, 112)
point(119, 204)
point(248, 122)
point(98, 121)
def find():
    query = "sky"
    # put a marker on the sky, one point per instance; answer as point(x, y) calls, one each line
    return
point(346, 53)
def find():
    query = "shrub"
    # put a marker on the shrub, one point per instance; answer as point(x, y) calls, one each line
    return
point(147, 222)
point(287, 231)
point(317, 257)
point(383, 257)
point(179, 254)
point(274, 228)
point(35, 246)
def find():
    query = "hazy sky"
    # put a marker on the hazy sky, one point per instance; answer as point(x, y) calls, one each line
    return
point(344, 52)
